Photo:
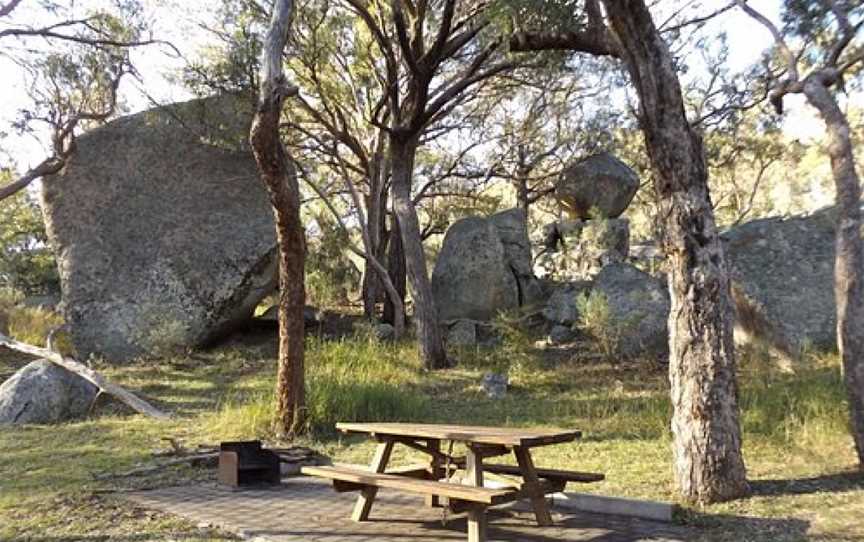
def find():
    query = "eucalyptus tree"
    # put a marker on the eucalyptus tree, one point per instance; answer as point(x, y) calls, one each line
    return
point(279, 175)
point(831, 50)
point(73, 66)
point(708, 465)
point(432, 52)
point(338, 119)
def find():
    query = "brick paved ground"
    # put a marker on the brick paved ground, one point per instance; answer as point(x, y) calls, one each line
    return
point(307, 509)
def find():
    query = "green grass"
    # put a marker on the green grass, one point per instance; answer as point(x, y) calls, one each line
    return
point(796, 446)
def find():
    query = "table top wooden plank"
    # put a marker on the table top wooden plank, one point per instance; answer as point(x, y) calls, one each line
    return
point(505, 436)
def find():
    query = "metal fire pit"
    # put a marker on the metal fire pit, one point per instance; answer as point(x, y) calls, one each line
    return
point(246, 463)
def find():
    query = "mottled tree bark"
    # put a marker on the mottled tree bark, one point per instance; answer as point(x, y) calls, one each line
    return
point(279, 176)
point(708, 464)
point(849, 258)
point(402, 153)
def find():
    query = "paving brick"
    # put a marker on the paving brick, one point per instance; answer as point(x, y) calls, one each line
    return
point(307, 509)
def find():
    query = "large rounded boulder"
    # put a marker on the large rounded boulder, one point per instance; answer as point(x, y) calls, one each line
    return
point(163, 232)
point(43, 392)
point(484, 267)
point(471, 277)
point(600, 184)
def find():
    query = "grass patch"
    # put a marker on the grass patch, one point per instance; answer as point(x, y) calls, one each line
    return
point(798, 452)
point(29, 324)
point(347, 380)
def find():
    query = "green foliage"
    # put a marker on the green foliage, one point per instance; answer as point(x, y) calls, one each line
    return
point(231, 65)
point(546, 15)
point(516, 355)
point(330, 274)
point(26, 261)
point(597, 320)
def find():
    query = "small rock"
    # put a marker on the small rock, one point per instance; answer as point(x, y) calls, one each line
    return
point(495, 385)
point(384, 332)
point(462, 333)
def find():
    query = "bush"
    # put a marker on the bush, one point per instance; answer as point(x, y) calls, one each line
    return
point(26, 261)
point(597, 321)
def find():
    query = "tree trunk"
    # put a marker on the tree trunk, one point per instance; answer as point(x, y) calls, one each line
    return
point(279, 175)
point(708, 465)
point(402, 153)
point(397, 272)
point(372, 287)
point(849, 258)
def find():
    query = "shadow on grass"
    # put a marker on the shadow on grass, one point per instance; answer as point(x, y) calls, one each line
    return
point(826, 483)
point(722, 527)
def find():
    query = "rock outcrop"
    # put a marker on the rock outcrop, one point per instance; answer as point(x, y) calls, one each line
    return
point(561, 307)
point(599, 184)
point(513, 231)
point(162, 230)
point(639, 304)
point(42, 392)
point(783, 282)
point(484, 267)
point(638, 308)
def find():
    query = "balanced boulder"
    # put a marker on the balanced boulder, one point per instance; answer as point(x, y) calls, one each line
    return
point(43, 392)
point(600, 184)
point(162, 230)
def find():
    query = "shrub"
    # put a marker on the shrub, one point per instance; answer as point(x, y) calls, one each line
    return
point(597, 321)
point(26, 261)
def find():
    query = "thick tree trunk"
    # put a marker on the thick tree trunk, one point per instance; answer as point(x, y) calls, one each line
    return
point(849, 259)
point(279, 175)
point(402, 153)
point(396, 270)
point(708, 465)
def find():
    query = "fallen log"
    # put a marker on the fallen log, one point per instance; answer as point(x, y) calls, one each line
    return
point(122, 394)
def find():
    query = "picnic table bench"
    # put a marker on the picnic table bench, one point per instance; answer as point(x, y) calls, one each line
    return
point(433, 479)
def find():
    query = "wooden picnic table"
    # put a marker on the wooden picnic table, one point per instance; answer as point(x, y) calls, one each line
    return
point(434, 479)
